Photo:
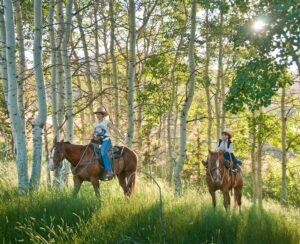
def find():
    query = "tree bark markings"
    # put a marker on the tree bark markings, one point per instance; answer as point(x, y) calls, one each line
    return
point(187, 104)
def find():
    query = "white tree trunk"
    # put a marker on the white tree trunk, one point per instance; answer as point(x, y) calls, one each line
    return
point(15, 117)
point(53, 70)
point(253, 131)
point(131, 74)
point(40, 120)
point(283, 197)
point(187, 103)
point(22, 60)
point(59, 65)
point(87, 61)
point(221, 73)
point(171, 158)
point(218, 95)
point(259, 160)
point(114, 65)
point(3, 66)
point(99, 77)
point(68, 83)
point(207, 83)
point(60, 95)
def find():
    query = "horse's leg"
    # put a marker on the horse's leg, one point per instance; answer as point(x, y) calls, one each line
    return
point(95, 183)
point(235, 197)
point(77, 185)
point(213, 196)
point(122, 181)
point(239, 198)
point(226, 199)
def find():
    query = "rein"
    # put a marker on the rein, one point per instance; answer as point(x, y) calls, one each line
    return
point(84, 152)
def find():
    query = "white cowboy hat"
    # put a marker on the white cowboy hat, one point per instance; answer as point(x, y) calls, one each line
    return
point(227, 131)
point(101, 111)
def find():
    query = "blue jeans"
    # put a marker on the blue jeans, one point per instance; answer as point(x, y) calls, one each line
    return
point(103, 151)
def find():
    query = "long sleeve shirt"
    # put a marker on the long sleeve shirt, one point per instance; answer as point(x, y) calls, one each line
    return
point(224, 146)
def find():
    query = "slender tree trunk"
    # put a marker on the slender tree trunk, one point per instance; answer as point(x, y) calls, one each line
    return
point(14, 114)
point(171, 158)
point(48, 172)
point(60, 86)
point(253, 157)
point(82, 115)
point(259, 161)
point(53, 70)
point(187, 103)
point(87, 62)
point(68, 83)
point(21, 51)
point(3, 65)
point(131, 73)
point(59, 66)
point(283, 197)
point(41, 94)
point(99, 77)
point(114, 65)
point(207, 83)
point(220, 83)
point(106, 50)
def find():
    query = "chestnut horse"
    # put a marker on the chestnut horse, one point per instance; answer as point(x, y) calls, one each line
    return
point(218, 177)
point(85, 167)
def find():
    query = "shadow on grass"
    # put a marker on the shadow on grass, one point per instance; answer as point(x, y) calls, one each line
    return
point(186, 224)
point(43, 215)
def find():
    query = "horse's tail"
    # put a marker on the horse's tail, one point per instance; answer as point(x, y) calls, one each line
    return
point(131, 182)
point(131, 173)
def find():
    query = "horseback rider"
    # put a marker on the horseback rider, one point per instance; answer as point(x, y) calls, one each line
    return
point(101, 130)
point(226, 144)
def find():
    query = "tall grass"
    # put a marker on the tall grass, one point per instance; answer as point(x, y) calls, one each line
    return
point(50, 216)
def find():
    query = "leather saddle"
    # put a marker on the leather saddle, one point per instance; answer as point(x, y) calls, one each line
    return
point(115, 152)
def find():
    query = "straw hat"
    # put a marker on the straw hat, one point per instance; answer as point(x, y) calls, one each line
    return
point(227, 131)
point(101, 111)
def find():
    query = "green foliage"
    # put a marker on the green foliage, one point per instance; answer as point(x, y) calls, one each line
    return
point(281, 34)
point(254, 85)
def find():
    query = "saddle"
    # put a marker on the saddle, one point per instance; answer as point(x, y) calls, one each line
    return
point(115, 152)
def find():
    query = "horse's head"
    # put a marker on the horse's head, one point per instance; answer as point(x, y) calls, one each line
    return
point(216, 165)
point(57, 155)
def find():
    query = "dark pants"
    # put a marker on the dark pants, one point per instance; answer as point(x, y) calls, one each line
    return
point(234, 159)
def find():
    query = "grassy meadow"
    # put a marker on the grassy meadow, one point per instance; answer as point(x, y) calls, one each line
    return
point(48, 216)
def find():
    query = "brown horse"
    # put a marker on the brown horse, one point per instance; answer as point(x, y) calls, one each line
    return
point(85, 167)
point(218, 177)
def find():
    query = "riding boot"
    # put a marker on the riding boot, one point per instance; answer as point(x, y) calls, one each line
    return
point(108, 175)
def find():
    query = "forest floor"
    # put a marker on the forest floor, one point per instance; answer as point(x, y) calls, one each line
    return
point(48, 216)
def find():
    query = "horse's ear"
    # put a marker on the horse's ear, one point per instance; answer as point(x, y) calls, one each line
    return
point(209, 151)
point(62, 140)
point(54, 140)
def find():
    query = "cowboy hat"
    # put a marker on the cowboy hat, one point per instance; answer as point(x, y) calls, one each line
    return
point(227, 131)
point(101, 111)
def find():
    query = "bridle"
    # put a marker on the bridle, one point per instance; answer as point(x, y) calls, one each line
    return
point(64, 156)
point(217, 167)
point(51, 158)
